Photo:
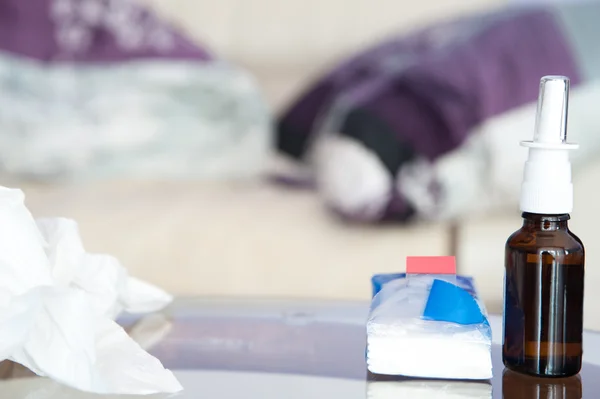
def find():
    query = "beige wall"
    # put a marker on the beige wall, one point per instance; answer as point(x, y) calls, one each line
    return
point(284, 31)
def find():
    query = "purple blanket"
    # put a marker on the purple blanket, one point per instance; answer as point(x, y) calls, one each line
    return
point(105, 88)
point(89, 31)
point(414, 100)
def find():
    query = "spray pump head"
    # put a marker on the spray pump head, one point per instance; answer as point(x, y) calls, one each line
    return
point(547, 187)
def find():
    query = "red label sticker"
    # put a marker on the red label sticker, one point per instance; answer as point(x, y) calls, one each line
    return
point(431, 265)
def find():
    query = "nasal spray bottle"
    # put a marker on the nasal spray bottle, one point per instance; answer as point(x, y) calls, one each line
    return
point(543, 298)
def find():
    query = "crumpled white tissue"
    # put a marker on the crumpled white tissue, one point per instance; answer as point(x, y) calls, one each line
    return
point(58, 304)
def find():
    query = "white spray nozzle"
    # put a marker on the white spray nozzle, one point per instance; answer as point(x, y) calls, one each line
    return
point(553, 105)
point(547, 186)
point(552, 113)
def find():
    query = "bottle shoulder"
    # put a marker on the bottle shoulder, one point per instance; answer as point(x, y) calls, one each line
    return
point(528, 240)
point(577, 239)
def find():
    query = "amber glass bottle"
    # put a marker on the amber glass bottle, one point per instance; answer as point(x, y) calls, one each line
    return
point(543, 310)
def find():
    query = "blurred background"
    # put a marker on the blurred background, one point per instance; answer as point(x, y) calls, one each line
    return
point(262, 148)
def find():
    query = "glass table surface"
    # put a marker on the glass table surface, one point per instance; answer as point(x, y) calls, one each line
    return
point(297, 349)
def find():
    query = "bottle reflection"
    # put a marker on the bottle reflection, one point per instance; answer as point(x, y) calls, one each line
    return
point(519, 386)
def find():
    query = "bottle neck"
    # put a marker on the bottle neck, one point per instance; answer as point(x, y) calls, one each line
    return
point(534, 221)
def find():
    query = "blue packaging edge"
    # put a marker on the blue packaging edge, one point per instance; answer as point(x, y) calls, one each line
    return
point(464, 282)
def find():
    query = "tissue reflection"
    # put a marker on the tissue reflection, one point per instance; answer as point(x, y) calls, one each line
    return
point(394, 388)
point(9, 369)
point(519, 386)
point(43, 388)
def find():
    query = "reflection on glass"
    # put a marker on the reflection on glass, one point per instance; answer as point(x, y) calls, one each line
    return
point(519, 386)
point(395, 388)
point(45, 388)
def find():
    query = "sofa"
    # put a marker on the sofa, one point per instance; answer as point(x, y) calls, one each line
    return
point(250, 238)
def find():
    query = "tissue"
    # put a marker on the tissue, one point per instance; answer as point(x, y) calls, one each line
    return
point(58, 304)
point(422, 326)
